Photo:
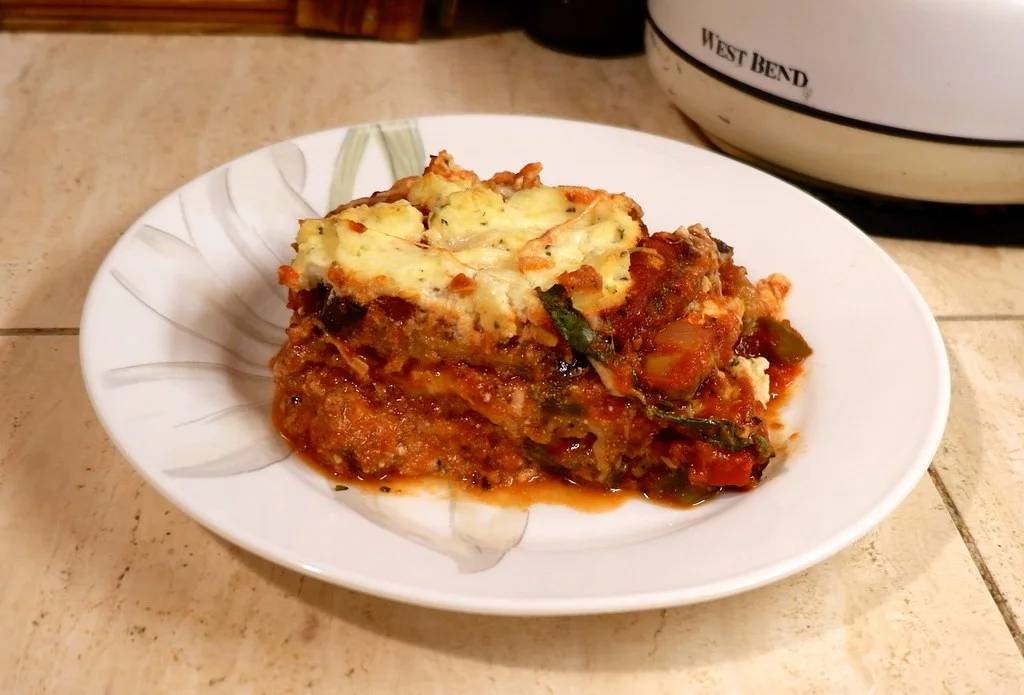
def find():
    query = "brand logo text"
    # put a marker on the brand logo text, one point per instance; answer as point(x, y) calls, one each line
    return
point(753, 61)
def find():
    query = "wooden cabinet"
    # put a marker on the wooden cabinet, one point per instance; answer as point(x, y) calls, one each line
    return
point(385, 19)
point(397, 20)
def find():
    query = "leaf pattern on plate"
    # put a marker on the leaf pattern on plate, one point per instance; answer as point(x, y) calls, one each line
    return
point(291, 166)
point(404, 147)
point(241, 221)
point(153, 257)
point(269, 210)
point(346, 165)
point(492, 530)
point(261, 407)
point(253, 455)
point(259, 445)
point(220, 245)
point(159, 371)
point(476, 540)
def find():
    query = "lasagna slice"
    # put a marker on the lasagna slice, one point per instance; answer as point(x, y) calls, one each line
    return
point(503, 332)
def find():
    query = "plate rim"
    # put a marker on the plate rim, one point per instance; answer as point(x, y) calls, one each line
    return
point(588, 605)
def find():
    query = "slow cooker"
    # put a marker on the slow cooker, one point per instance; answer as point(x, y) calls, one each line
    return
point(918, 99)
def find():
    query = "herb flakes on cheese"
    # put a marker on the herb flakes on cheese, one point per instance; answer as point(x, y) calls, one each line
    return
point(507, 242)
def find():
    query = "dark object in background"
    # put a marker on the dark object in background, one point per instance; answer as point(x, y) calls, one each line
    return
point(390, 20)
point(979, 225)
point(588, 27)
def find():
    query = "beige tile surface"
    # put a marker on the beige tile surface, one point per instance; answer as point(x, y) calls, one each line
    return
point(963, 280)
point(982, 461)
point(96, 129)
point(108, 589)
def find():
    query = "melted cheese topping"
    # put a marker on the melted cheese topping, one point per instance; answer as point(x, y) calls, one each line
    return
point(507, 247)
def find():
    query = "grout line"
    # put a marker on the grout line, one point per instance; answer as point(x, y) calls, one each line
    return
point(979, 561)
point(980, 317)
point(22, 332)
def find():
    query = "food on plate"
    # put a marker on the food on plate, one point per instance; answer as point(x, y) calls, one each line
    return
point(505, 333)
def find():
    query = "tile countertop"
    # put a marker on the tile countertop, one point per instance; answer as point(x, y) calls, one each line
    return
point(109, 589)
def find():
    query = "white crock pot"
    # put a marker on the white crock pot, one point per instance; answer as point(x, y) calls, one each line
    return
point(920, 99)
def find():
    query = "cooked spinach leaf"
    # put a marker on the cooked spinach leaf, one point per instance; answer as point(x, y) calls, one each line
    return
point(724, 434)
point(572, 325)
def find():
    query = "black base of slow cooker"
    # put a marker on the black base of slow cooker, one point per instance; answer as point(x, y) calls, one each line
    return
point(980, 225)
point(983, 225)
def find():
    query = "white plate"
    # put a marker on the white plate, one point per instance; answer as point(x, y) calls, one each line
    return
point(185, 312)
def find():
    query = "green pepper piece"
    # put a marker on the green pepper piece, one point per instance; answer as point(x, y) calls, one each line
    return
point(787, 345)
point(676, 487)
